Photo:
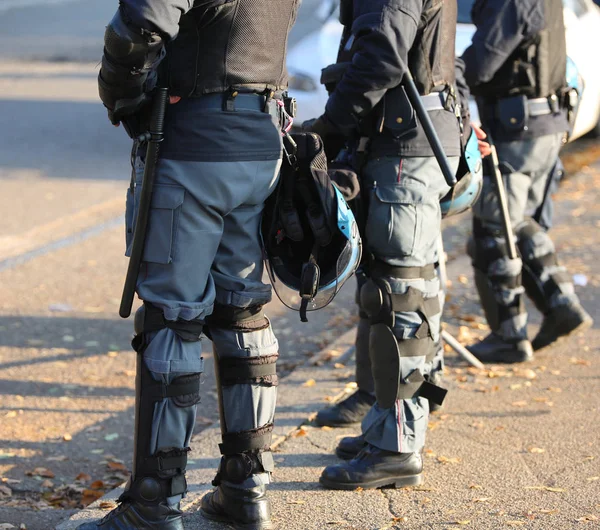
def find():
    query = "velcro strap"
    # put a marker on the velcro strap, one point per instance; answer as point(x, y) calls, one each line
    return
point(416, 347)
point(379, 268)
point(154, 320)
point(409, 390)
point(239, 370)
point(433, 393)
point(561, 277)
point(253, 440)
point(229, 314)
point(507, 282)
point(413, 300)
point(160, 391)
point(166, 462)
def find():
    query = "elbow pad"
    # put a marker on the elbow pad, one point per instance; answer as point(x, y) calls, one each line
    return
point(129, 52)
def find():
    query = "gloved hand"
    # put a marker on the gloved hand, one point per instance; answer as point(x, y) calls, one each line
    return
point(125, 95)
point(332, 138)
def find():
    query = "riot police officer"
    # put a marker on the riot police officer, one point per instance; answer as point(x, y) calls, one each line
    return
point(401, 188)
point(516, 67)
point(224, 65)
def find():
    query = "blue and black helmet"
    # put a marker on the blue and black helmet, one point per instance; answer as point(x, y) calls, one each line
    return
point(310, 237)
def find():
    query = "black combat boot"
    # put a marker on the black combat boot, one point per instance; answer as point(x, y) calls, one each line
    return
point(494, 349)
point(375, 468)
point(561, 321)
point(350, 446)
point(242, 508)
point(131, 515)
point(347, 412)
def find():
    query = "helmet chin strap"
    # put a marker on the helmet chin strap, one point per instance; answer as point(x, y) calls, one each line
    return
point(309, 281)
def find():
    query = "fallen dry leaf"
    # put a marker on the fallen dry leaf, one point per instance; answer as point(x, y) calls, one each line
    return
point(40, 472)
point(300, 432)
point(326, 428)
point(475, 487)
point(67, 437)
point(47, 484)
point(536, 450)
point(5, 491)
point(339, 365)
point(554, 389)
point(97, 485)
point(581, 362)
point(550, 512)
point(463, 523)
point(516, 386)
point(525, 373)
point(463, 279)
point(482, 499)
point(106, 505)
point(446, 460)
point(519, 403)
point(296, 502)
point(90, 496)
point(587, 518)
point(112, 353)
point(83, 477)
point(593, 479)
point(117, 466)
point(60, 458)
point(309, 383)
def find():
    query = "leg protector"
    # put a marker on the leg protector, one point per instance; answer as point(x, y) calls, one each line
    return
point(498, 282)
point(364, 377)
point(386, 351)
point(246, 353)
point(167, 392)
point(545, 281)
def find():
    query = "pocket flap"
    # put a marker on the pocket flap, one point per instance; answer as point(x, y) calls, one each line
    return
point(167, 197)
point(398, 195)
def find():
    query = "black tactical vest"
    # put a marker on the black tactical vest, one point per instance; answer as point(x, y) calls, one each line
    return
point(231, 45)
point(537, 68)
point(431, 58)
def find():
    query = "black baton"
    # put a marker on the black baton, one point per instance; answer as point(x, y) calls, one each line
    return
point(154, 137)
point(434, 141)
point(509, 236)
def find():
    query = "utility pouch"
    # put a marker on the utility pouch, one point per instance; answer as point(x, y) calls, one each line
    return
point(331, 75)
point(398, 114)
point(512, 113)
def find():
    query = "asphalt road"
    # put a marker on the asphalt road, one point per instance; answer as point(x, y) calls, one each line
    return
point(65, 362)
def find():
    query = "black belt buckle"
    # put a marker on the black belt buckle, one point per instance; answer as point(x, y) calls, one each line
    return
point(554, 104)
point(291, 106)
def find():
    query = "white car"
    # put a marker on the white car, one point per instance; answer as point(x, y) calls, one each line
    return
point(319, 49)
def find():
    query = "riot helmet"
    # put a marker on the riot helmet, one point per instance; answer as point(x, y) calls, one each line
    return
point(311, 239)
point(470, 181)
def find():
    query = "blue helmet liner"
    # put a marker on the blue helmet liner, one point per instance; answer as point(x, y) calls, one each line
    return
point(311, 240)
point(470, 181)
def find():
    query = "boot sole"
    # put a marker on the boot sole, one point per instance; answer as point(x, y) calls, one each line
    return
point(266, 525)
point(400, 482)
point(586, 324)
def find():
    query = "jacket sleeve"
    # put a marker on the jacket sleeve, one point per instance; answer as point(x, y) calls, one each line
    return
point(501, 26)
point(382, 35)
point(161, 16)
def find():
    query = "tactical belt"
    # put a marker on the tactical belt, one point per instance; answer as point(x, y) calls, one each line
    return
point(435, 101)
point(543, 106)
point(233, 101)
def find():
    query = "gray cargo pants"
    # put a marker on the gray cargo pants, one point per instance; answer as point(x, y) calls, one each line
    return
point(203, 246)
point(402, 230)
point(526, 167)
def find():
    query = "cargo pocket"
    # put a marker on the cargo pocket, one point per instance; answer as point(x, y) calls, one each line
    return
point(163, 223)
point(394, 225)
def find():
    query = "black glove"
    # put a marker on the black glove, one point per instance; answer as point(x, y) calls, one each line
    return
point(332, 138)
point(125, 95)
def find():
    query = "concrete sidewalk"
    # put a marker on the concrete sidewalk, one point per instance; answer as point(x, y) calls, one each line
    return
point(512, 447)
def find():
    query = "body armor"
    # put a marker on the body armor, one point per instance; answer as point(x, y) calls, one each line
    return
point(537, 67)
point(231, 45)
